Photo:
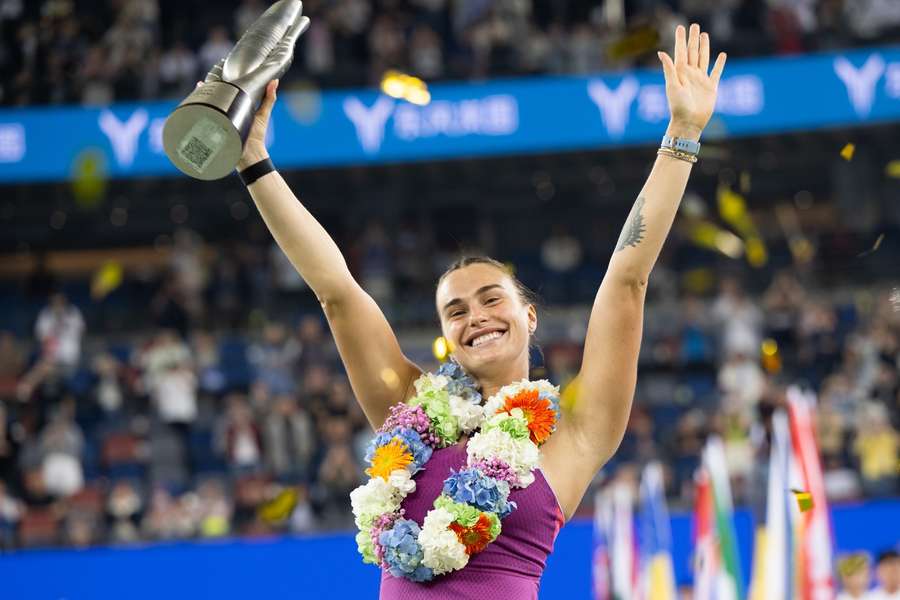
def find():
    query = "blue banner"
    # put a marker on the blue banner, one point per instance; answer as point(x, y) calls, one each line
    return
point(330, 567)
point(509, 116)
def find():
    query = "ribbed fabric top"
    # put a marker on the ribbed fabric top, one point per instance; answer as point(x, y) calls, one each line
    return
point(510, 567)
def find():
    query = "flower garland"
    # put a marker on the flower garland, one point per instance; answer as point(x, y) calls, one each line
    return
point(502, 454)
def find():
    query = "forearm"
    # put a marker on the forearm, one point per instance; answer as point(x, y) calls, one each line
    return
point(651, 218)
point(300, 236)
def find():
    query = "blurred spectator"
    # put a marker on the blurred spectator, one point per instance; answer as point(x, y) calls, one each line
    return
point(855, 576)
point(11, 510)
point(242, 439)
point(878, 448)
point(61, 445)
point(123, 510)
point(289, 439)
point(216, 47)
point(739, 319)
point(59, 330)
point(273, 358)
point(887, 574)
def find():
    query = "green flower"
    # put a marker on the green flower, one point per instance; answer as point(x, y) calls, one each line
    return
point(436, 404)
point(366, 547)
point(463, 514)
point(515, 426)
point(495, 524)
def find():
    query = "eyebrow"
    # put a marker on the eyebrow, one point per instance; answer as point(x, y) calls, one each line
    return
point(478, 292)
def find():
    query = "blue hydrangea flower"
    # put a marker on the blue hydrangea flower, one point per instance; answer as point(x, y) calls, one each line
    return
point(402, 551)
point(460, 383)
point(420, 451)
point(554, 403)
point(473, 487)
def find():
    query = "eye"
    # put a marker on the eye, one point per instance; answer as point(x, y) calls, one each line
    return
point(492, 300)
point(456, 313)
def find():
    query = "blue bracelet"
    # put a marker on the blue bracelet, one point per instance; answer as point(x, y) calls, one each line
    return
point(680, 144)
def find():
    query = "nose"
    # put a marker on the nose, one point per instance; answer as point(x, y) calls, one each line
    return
point(477, 316)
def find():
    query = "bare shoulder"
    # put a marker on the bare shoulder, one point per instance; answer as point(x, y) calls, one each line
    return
point(569, 464)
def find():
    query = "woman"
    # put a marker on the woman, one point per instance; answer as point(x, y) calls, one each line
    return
point(488, 319)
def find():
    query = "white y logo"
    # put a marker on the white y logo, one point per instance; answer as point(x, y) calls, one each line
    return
point(369, 122)
point(124, 136)
point(614, 105)
point(860, 82)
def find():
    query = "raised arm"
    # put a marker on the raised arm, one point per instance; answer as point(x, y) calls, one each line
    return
point(380, 374)
point(594, 425)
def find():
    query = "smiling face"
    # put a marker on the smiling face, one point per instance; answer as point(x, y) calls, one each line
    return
point(487, 322)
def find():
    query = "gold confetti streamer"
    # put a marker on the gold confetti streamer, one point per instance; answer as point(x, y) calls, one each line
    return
point(441, 348)
point(892, 169)
point(405, 87)
point(804, 500)
point(847, 152)
point(874, 247)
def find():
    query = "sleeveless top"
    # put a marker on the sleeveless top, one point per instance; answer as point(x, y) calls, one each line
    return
point(510, 567)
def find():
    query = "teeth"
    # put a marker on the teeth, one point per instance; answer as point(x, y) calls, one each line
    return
point(486, 338)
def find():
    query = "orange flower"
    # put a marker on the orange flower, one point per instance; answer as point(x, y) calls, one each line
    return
point(474, 538)
point(388, 458)
point(538, 412)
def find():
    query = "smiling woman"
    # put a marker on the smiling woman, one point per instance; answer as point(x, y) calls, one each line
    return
point(505, 466)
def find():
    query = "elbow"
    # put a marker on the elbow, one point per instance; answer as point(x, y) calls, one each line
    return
point(631, 280)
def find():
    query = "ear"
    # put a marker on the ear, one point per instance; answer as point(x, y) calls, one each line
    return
point(532, 318)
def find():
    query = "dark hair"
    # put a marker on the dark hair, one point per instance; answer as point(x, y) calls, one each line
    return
point(525, 294)
point(886, 555)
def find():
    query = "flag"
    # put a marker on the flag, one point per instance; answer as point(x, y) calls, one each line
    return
point(657, 574)
point(815, 547)
point(717, 565)
point(600, 567)
point(615, 552)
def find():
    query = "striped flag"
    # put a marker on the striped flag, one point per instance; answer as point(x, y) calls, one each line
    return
point(795, 560)
point(615, 562)
point(600, 567)
point(657, 574)
point(815, 546)
point(717, 566)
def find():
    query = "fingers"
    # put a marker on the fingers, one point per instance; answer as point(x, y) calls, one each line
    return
point(704, 53)
point(718, 68)
point(296, 31)
point(693, 45)
point(680, 46)
point(668, 68)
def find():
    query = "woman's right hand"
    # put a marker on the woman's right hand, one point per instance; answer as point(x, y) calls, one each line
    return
point(255, 146)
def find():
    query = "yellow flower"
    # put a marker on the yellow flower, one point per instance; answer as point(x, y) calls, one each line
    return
point(388, 458)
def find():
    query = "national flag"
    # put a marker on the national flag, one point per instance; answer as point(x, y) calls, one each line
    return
point(657, 574)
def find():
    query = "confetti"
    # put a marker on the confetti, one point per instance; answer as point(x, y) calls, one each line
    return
point(847, 152)
point(405, 87)
point(279, 509)
point(441, 348)
point(893, 169)
point(106, 279)
point(804, 500)
point(873, 248)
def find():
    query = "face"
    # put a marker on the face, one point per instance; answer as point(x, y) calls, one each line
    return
point(858, 582)
point(888, 573)
point(485, 320)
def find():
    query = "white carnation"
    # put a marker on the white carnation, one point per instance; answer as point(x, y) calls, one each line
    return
point(442, 550)
point(402, 482)
point(522, 455)
point(375, 498)
point(468, 414)
point(430, 381)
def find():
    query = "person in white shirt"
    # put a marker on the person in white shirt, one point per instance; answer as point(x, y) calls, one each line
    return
point(887, 573)
point(59, 329)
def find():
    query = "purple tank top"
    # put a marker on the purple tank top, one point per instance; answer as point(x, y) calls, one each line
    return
point(510, 567)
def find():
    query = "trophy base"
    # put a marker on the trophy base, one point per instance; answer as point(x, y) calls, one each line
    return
point(204, 136)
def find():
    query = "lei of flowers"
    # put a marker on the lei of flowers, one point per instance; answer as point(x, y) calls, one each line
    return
point(466, 517)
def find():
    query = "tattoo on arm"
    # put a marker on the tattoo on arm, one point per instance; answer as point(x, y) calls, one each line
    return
point(633, 232)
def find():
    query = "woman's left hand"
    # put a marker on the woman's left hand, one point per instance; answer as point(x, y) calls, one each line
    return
point(690, 86)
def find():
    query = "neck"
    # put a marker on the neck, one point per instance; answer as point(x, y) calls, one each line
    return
point(492, 382)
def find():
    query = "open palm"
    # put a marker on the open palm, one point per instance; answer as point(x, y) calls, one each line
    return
point(690, 86)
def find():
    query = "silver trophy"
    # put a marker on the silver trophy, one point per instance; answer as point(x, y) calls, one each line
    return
point(204, 136)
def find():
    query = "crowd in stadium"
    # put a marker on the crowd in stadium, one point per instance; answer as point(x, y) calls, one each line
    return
point(96, 51)
point(192, 427)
